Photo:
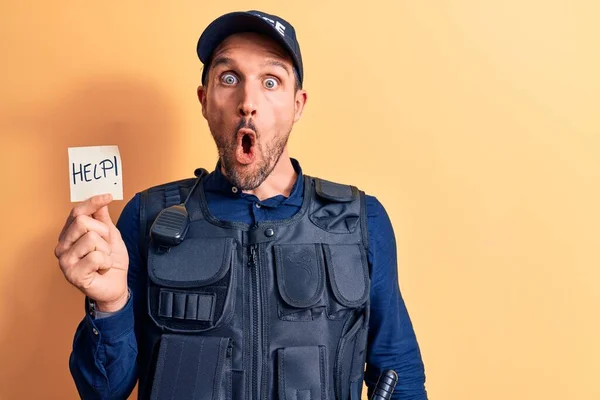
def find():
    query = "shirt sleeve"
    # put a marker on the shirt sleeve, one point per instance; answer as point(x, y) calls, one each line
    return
point(392, 343)
point(103, 359)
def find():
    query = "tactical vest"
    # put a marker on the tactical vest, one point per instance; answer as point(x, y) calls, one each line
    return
point(276, 310)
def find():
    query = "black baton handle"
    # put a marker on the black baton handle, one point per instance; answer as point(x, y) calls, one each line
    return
point(385, 385)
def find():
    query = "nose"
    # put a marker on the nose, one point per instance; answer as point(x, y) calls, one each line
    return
point(248, 100)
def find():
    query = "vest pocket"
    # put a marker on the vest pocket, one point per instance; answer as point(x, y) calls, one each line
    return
point(190, 286)
point(192, 367)
point(348, 273)
point(302, 373)
point(350, 358)
point(194, 262)
point(300, 280)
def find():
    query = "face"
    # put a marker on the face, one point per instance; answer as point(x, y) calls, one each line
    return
point(251, 103)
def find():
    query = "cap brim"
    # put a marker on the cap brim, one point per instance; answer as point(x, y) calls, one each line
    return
point(237, 22)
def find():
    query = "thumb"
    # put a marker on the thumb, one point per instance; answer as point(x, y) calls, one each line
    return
point(103, 215)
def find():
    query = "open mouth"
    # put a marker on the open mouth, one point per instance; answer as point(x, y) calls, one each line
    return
point(246, 139)
point(246, 143)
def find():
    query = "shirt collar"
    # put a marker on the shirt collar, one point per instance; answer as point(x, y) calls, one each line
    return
point(217, 182)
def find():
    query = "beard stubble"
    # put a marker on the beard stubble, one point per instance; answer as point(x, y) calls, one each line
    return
point(249, 177)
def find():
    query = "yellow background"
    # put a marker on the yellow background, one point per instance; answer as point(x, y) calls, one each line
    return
point(475, 122)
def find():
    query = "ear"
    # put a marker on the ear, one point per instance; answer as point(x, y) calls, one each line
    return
point(299, 102)
point(202, 99)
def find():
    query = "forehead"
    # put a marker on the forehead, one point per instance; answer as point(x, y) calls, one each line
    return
point(249, 42)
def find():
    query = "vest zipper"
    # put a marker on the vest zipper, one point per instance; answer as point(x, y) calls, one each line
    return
point(252, 260)
point(253, 264)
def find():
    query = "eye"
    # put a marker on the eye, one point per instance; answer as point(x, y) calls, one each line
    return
point(229, 79)
point(270, 83)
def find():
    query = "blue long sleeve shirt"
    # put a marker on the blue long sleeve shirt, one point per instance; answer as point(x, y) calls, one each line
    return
point(103, 360)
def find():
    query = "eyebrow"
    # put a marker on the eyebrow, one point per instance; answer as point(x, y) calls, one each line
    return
point(222, 60)
point(278, 64)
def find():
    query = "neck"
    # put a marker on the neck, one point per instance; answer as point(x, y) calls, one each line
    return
point(280, 181)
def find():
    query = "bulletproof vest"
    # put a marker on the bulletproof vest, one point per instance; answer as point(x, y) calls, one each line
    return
point(274, 310)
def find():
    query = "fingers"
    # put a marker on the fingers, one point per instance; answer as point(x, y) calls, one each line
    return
point(81, 226)
point(83, 273)
point(88, 243)
point(89, 254)
point(94, 261)
point(87, 207)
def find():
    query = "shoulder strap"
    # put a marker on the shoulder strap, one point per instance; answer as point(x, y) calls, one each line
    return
point(157, 198)
point(342, 193)
point(337, 192)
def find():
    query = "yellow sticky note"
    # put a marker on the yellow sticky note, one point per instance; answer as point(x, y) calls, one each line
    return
point(95, 170)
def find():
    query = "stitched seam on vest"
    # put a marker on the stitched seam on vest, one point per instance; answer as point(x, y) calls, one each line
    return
point(178, 367)
point(246, 316)
point(341, 369)
point(322, 372)
point(265, 325)
point(198, 366)
point(282, 371)
point(364, 229)
point(218, 368)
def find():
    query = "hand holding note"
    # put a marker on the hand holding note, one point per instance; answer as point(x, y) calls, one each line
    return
point(92, 254)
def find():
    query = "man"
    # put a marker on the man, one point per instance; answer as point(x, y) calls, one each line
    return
point(251, 282)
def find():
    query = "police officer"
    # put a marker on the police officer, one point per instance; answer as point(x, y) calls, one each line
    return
point(254, 281)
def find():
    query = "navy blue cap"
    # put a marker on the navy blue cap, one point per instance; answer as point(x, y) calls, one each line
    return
point(272, 26)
